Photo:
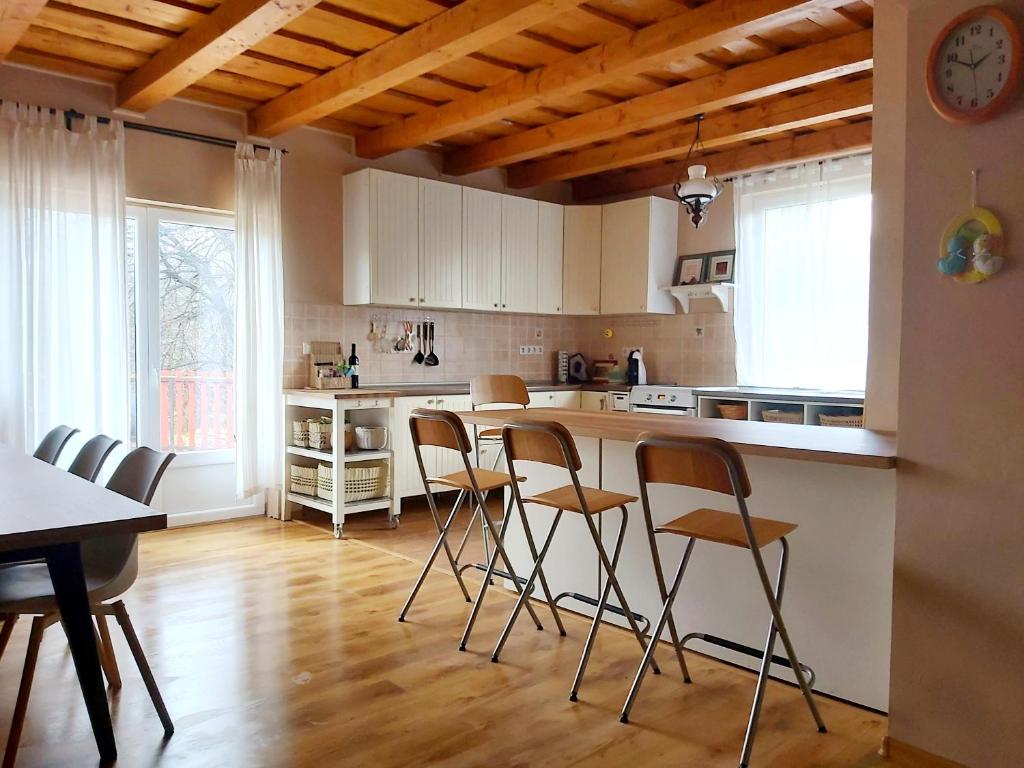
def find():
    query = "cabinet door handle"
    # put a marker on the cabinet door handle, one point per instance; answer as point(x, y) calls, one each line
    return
point(412, 298)
point(495, 305)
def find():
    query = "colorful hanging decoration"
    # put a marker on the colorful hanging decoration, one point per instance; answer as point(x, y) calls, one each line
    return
point(971, 249)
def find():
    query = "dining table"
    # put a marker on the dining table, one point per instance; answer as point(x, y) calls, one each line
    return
point(45, 514)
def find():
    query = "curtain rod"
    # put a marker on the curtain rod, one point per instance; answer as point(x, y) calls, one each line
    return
point(217, 141)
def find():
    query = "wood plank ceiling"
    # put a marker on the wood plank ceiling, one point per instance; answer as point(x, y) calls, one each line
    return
point(603, 92)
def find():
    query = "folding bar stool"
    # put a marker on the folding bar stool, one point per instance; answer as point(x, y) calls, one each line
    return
point(444, 429)
point(550, 443)
point(715, 465)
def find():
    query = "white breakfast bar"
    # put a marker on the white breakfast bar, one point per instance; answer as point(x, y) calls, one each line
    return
point(837, 484)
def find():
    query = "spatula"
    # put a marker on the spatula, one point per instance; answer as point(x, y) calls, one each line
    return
point(420, 341)
point(431, 358)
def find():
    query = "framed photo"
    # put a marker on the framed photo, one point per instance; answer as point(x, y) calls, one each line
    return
point(720, 266)
point(690, 270)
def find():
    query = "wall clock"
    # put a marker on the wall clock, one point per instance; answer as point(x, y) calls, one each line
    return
point(974, 68)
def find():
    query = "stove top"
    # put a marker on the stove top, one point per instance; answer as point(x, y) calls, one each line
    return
point(664, 396)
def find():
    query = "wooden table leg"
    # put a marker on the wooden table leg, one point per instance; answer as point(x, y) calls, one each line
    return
point(65, 565)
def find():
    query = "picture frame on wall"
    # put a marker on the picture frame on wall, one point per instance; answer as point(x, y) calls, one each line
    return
point(690, 270)
point(720, 266)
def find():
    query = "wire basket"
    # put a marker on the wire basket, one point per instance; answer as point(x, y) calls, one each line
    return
point(366, 480)
point(841, 420)
point(303, 480)
point(735, 411)
point(780, 416)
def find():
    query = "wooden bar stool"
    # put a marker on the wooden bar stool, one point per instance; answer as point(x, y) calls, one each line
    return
point(444, 429)
point(715, 465)
point(550, 443)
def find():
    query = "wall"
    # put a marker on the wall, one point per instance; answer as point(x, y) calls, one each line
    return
point(958, 612)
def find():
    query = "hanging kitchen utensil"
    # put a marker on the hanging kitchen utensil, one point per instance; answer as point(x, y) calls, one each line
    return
point(420, 340)
point(431, 358)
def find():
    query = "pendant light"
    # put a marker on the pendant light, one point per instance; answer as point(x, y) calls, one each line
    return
point(698, 192)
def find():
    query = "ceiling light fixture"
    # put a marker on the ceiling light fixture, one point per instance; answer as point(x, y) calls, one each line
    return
point(698, 192)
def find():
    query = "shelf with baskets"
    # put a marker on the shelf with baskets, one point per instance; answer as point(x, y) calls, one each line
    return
point(782, 411)
point(323, 468)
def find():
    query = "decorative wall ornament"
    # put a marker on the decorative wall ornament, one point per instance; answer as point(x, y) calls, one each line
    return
point(971, 247)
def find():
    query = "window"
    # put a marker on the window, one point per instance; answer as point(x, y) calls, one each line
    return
point(181, 301)
point(802, 266)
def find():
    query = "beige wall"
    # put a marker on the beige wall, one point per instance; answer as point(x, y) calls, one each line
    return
point(958, 607)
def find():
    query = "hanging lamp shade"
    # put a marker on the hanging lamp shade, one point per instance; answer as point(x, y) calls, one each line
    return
point(698, 192)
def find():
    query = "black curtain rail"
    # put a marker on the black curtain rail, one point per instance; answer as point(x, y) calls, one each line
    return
point(71, 114)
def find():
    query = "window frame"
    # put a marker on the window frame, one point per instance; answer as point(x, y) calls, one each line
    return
point(148, 216)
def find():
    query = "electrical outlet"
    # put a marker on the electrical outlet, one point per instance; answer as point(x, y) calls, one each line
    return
point(698, 332)
point(538, 333)
point(306, 348)
point(531, 350)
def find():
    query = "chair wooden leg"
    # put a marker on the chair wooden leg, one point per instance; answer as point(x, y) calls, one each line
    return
point(107, 658)
point(140, 659)
point(10, 620)
point(35, 638)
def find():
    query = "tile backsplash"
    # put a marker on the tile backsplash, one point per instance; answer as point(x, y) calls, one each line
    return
point(696, 349)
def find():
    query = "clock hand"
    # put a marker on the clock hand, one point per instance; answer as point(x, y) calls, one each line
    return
point(978, 62)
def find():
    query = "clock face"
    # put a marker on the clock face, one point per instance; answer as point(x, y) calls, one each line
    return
point(975, 66)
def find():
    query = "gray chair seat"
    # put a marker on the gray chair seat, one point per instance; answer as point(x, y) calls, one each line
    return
point(26, 588)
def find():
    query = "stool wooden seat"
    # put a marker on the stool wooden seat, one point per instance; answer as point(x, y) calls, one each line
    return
point(594, 500)
point(726, 528)
point(490, 434)
point(486, 480)
point(549, 442)
point(714, 465)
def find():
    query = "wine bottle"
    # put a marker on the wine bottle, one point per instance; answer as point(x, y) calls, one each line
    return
point(353, 365)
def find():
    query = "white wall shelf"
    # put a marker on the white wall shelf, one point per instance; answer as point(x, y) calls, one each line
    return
point(719, 292)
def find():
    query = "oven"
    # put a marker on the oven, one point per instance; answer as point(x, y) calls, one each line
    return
point(663, 401)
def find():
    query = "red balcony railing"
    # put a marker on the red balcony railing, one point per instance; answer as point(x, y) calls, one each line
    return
point(197, 410)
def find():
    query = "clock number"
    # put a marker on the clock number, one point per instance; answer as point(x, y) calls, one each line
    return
point(959, 40)
point(999, 43)
point(990, 93)
point(975, 29)
point(1001, 58)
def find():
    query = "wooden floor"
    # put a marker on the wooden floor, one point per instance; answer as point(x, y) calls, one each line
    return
point(276, 645)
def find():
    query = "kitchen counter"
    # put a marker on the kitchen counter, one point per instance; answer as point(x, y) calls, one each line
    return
point(854, 447)
point(426, 389)
point(346, 394)
point(838, 485)
point(819, 396)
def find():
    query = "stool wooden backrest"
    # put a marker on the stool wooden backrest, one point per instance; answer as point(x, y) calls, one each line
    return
point(498, 388)
point(697, 462)
point(547, 442)
point(439, 428)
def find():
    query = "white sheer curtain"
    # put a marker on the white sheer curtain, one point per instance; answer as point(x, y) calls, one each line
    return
point(63, 335)
point(259, 324)
point(802, 260)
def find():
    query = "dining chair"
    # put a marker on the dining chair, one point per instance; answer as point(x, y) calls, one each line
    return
point(92, 456)
point(111, 566)
point(51, 446)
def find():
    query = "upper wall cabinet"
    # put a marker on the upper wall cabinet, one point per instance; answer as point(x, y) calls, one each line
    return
point(581, 273)
point(550, 226)
point(440, 262)
point(638, 246)
point(381, 238)
point(519, 221)
point(481, 255)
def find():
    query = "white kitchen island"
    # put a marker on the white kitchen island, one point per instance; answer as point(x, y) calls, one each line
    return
point(837, 484)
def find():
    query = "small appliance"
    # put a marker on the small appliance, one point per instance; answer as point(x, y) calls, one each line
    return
point(636, 371)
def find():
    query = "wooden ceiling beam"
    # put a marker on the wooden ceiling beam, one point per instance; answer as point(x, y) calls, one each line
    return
point(15, 18)
point(833, 102)
point(795, 69)
point(687, 34)
point(458, 32)
point(831, 142)
point(231, 29)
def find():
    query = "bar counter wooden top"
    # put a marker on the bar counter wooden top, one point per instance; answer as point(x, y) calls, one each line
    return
point(832, 445)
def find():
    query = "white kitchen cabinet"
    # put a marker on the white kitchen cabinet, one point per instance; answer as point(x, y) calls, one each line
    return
point(638, 247)
point(380, 238)
point(556, 399)
point(581, 269)
point(440, 244)
point(519, 220)
point(593, 401)
point(550, 235)
point(436, 461)
point(481, 249)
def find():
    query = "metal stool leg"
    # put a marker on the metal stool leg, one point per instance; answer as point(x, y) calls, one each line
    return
point(465, 538)
point(526, 589)
point(666, 613)
point(776, 626)
point(528, 533)
point(610, 570)
point(441, 542)
point(660, 577)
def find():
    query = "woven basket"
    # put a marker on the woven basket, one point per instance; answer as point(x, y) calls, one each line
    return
point(320, 434)
point(366, 480)
point(300, 434)
point(836, 420)
point(303, 480)
point(779, 416)
point(736, 411)
point(325, 482)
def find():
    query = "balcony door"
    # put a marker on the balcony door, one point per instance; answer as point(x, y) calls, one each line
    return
point(180, 267)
